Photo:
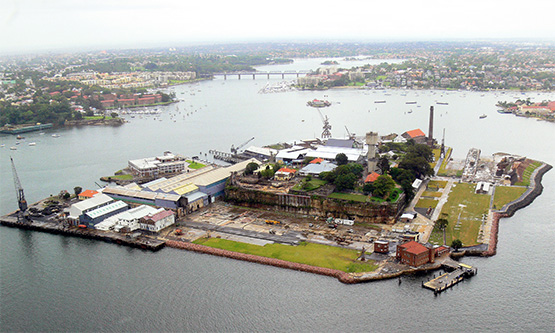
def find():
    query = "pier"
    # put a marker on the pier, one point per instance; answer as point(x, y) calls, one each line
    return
point(459, 273)
point(134, 240)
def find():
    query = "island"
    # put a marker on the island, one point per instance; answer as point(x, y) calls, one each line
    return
point(359, 209)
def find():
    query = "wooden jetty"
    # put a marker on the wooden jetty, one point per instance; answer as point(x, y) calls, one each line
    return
point(459, 272)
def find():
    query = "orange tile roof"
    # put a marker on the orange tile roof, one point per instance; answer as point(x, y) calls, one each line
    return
point(88, 193)
point(415, 133)
point(287, 170)
point(371, 177)
point(317, 160)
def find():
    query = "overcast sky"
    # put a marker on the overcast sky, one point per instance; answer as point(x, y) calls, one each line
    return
point(28, 25)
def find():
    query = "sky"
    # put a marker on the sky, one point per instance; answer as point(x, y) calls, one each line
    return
point(35, 25)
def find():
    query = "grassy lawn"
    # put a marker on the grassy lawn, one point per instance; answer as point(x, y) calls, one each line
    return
point(96, 117)
point(433, 184)
point(313, 184)
point(470, 216)
point(305, 253)
point(434, 194)
point(349, 196)
point(195, 165)
point(437, 153)
point(505, 194)
point(425, 203)
point(122, 177)
point(527, 173)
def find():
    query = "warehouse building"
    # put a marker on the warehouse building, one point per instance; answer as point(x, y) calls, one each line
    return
point(93, 217)
point(126, 221)
point(78, 209)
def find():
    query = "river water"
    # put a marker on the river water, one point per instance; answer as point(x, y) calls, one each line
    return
point(56, 283)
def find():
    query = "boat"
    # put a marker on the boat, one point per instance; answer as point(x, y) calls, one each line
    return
point(19, 137)
point(55, 135)
point(442, 103)
point(483, 116)
point(32, 144)
point(13, 148)
point(410, 102)
point(317, 103)
point(380, 101)
point(504, 111)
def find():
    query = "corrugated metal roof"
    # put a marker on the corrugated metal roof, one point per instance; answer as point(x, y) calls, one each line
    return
point(220, 174)
point(106, 209)
point(195, 196)
point(187, 188)
point(97, 200)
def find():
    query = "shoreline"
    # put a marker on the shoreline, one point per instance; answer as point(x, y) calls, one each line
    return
point(155, 244)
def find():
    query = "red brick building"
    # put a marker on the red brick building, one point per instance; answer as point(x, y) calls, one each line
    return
point(381, 247)
point(414, 254)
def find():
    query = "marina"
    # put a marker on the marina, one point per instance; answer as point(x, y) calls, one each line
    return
point(458, 272)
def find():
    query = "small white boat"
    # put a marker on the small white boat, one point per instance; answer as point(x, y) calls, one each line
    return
point(483, 116)
point(32, 144)
point(55, 135)
point(13, 148)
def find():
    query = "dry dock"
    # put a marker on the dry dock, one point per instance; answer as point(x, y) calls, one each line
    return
point(136, 240)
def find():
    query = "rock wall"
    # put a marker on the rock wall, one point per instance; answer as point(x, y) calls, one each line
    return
point(314, 205)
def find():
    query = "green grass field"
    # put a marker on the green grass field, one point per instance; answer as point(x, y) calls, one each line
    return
point(470, 215)
point(434, 194)
point(306, 253)
point(349, 196)
point(195, 165)
point(313, 184)
point(425, 203)
point(96, 117)
point(527, 173)
point(433, 184)
point(505, 194)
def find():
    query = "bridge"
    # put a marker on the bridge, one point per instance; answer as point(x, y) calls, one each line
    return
point(266, 73)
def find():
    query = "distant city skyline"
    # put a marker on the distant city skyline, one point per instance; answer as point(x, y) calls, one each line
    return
point(42, 25)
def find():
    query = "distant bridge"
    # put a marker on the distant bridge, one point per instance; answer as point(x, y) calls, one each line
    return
point(267, 74)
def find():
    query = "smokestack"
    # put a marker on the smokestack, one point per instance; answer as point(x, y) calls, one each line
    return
point(431, 127)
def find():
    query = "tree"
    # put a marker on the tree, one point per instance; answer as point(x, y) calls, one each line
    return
point(250, 168)
point(77, 190)
point(341, 159)
point(368, 188)
point(345, 182)
point(114, 114)
point(383, 185)
point(456, 244)
point(419, 165)
point(267, 173)
point(383, 164)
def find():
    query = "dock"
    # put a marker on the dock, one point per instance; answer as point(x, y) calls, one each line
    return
point(133, 240)
point(459, 273)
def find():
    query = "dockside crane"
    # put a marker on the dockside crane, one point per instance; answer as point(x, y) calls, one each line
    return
point(326, 133)
point(352, 136)
point(21, 202)
point(234, 150)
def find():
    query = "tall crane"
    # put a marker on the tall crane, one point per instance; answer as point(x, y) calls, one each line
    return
point(21, 202)
point(234, 150)
point(352, 136)
point(326, 133)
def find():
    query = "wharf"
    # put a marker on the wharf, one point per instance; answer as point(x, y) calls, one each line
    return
point(444, 281)
point(58, 228)
point(18, 129)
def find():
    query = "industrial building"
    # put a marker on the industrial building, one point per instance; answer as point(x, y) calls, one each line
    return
point(156, 166)
point(97, 215)
point(127, 220)
point(78, 209)
point(157, 221)
point(171, 201)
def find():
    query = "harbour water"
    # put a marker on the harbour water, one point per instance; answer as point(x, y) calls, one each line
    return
point(56, 283)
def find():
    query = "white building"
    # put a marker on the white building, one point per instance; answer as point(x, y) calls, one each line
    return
point(128, 219)
point(155, 166)
point(82, 207)
point(157, 221)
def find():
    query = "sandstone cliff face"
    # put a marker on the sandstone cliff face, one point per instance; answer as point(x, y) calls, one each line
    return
point(314, 205)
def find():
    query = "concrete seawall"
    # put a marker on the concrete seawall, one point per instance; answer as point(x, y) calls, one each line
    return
point(535, 189)
point(340, 275)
